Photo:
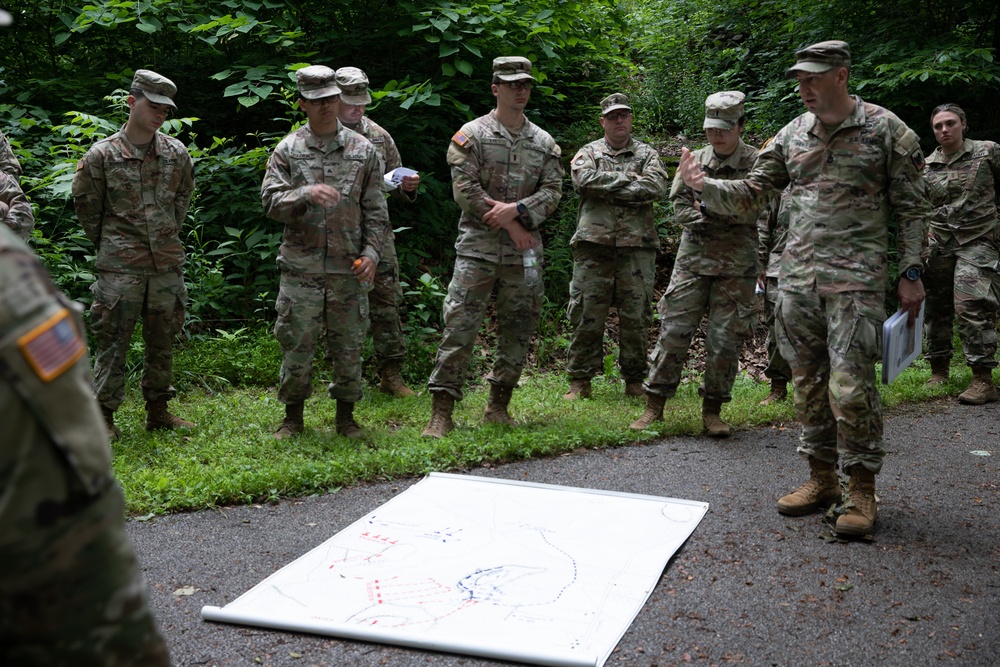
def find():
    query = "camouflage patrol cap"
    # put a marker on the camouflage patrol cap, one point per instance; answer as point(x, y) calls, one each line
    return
point(820, 58)
point(316, 81)
point(614, 102)
point(157, 89)
point(723, 110)
point(353, 84)
point(512, 68)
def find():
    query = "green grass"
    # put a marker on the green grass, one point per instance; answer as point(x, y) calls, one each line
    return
point(231, 458)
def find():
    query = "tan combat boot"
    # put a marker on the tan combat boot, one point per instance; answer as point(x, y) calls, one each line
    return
point(496, 408)
point(714, 426)
point(939, 370)
point(634, 390)
point(982, 390)
point(861, 515)
point(822, 490)
point(109, 422)
point(344, 422)
point(779, 391)
point(653, 412)
point(293, 424)
point(440, 424)
point(158, 418)
point(392, 382)
point(578, 388)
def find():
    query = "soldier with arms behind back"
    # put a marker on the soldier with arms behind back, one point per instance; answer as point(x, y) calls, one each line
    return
point(131, 192)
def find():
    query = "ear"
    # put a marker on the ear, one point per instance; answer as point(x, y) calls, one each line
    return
point(131, 101)
point(495, 88)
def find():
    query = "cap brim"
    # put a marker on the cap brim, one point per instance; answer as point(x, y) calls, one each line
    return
point(356, 100)
point(319, 93)
point(520, 76)
point(159, 99)
point(809, 67)
point(615, 107)
point(718, 123)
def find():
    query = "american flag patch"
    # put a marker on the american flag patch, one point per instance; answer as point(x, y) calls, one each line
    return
point(460, 139)
point(53, 346)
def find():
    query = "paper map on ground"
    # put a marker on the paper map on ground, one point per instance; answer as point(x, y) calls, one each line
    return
point(535, 573)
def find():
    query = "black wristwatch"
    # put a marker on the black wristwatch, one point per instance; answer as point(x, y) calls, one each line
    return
point(912, 273)
point(702, 208)
point(521, 208)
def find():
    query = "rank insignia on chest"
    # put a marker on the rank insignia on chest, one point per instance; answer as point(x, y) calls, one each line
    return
point(52, 346)
point(918, 159)
point(460, 139)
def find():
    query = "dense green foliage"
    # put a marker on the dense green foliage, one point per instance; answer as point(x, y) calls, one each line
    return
point(63, 67)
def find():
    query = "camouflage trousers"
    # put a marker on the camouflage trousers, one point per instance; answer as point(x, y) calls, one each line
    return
point(71, 591)
point(517, 310)
point(120, 299)
point(606, 276)
point(777, 368)
point(308, 305)
point(959, 281)
point(383, 303)
point(729, 302)
point(832, 343)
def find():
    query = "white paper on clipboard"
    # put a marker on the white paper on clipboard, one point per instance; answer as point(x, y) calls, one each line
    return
point(901, 344)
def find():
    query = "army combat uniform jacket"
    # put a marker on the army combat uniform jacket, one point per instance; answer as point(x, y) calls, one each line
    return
point(487, 160)
point(843, 185)
point(963, 189)
point(617, 189)
point(8, 161)
point(716, 244)
point(19, 217)
point(318, 240)
point(132, 205)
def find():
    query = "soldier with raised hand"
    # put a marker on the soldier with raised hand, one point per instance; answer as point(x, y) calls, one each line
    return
point(386, 295)
point(851, 166)
point(507, 179)
point(714, 272)
point(963, 181)
point(131, 192)
point(614, 249)
point(324, 184)
point(15, 211)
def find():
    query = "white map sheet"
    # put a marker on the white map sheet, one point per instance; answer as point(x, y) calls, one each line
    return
point(535, 573)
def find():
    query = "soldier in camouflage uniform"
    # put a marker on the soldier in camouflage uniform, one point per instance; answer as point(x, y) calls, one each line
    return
point(772, 233)
point(15, 211)
point(131, 192)
point(71, 592)
point(8, 161)
point(851, 166)
point(507, 179)
point(715, 272)
point(324, 183)
point(614, 249)
point(963, 181)
point(386, 294)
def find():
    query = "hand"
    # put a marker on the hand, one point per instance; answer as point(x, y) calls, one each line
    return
point(911, 295)
point(690, 171)
point(410, 183)
point(324, 195)
point(522, 238)
point(364, 269)
point(501, 215)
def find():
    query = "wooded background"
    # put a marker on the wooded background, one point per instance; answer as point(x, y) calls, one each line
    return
point(64, 68)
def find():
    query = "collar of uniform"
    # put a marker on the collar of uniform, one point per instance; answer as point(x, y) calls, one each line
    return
point(627, 148)
point(499, 128)
point(938, 157)
point(732, 161)
point(128, 148)
point(856, 119)
point(334, 142)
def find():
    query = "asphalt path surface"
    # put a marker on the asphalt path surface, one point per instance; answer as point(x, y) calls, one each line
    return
point(749, 587)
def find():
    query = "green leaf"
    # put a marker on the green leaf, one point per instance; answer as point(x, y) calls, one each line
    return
point(248, 101)
point(224, 74)
point(448, 69)
point(235, 89)
point(446, 50)
point(441, 24)
point(147, 28)
point(464, 66)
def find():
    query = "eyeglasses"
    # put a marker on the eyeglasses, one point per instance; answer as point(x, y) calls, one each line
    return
point(518, 85)
point(620, 115)
point(322, 101)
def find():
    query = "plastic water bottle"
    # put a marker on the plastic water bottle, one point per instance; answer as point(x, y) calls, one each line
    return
point(532, 270)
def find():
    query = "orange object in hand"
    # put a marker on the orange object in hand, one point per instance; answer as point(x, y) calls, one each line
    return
point(357, 263)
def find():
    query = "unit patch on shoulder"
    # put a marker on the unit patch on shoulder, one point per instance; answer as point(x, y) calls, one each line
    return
point(918, 159)
point(460, 139)
point(52, 346)
point(79, 165)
